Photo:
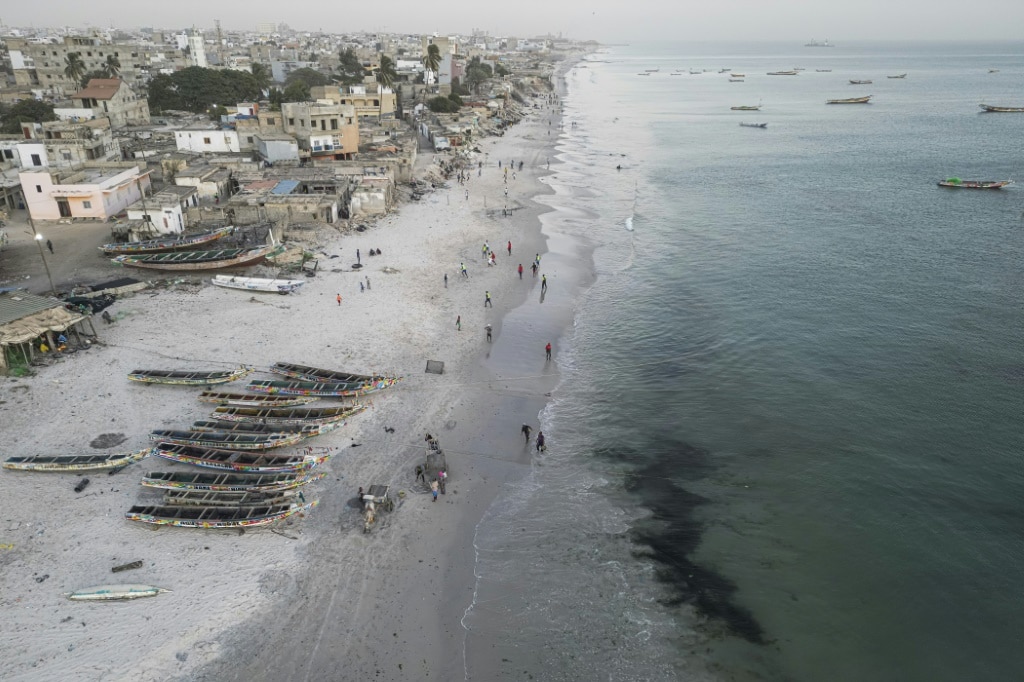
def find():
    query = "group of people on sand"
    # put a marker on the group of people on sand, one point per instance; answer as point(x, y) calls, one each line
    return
point(527, 430)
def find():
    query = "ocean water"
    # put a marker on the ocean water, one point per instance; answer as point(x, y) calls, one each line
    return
point(786, 444)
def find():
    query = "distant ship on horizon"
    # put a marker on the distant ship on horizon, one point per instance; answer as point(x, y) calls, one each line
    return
point(815, 43)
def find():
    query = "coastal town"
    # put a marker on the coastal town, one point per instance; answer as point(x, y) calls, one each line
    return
point(315, 236)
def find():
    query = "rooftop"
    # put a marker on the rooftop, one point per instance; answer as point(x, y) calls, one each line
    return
point(99, 88)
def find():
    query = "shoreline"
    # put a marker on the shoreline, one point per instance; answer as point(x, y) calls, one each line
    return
point(332, 596)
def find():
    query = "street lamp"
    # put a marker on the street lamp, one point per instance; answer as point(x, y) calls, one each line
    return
point(39, 243)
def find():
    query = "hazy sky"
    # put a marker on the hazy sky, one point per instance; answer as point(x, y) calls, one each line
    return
point(604, 20)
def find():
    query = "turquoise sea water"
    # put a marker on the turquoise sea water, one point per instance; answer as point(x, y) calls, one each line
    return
point(787, 442)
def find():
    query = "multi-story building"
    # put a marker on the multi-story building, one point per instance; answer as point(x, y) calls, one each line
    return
point(107, 97)
point(370, 100)
point(60, 144)
point(323, 129)
point(96, 192)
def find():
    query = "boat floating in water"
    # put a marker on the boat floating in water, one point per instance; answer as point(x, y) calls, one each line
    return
point(1002, 110)
point(852, 82)
point(746, 108)
point(754, 125)
point(782, 73)
point(902, 75)
point(850, 100)
point(974, 184)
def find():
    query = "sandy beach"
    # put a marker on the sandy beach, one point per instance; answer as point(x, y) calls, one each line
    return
point(313, 598)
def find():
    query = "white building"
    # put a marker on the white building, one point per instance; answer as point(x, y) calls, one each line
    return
point(207, 141)
point(197, 49)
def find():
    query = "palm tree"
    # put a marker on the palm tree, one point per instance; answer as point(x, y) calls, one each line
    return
point(112, 67)
point(432, 59)
point(386, 73)
point(74, 66)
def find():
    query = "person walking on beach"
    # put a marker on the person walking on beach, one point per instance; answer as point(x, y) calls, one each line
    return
point(361, 288)
point(526, 432)
point(419, 474)
point(458, 323)
point(547, 350)
point(446, 280)
point(487, 299)
point(465, 273)
point(367, 281)
point(533, 269)
point(520, 271)
point(339, 299)
point(510, 247)
point(540, 442)
point(487, 327)
point(434, 486)
point(358, 259)
point(49, 245)
point(543, 283)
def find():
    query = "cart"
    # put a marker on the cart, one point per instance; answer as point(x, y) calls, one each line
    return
point(377, 498)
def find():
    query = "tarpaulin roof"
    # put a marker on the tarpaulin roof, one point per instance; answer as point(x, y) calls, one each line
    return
point(25, 316)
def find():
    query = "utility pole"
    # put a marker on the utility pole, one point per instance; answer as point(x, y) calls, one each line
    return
point(39, 242)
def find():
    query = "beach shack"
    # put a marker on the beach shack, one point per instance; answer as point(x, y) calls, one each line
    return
point(25, 318)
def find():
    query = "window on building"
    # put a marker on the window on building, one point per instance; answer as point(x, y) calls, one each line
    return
point(291, 121)
point(86, 204)
point(65, 154)
point(88, 54)
point(271, 121)
point(249, 139)
point(8, 154)
point(206, 140)
point(376, 102)
point(39, 189)
point(36, 161)
point(334, 124)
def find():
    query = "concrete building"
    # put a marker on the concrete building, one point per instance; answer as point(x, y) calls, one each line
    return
point(197, 49)
point(61, 144)
point(94, 191)
point(279, 68)
point(322, 129)
point(107, 97)
point(162, 213)
point(209, 182)
point(370, 101)
point(206, 141)
point(276, 148)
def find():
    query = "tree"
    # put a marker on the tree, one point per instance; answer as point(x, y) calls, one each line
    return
point(112, 67)
point(455, 98)
point(26, 110)
point(197, 89)
point(350, 70)
point(500, 70)
point(432, 59)
point(163, 94)
point(88, 76)
point(296, 92)
point(309, 77)
point(442, 105)
point(475, 76)
point(276, 96)
point(261, 74)
point(386, 73)
point(74, 67)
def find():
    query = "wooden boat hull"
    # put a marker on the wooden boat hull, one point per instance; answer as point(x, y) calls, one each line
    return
point(277, 286)
point(754, 125)
point(299, 415)
point(311, 388)
point(224, 482)
point(328, 376)
point(164, 245)
point(206, 498)
point(198, 260)
point(850, 100)
point(226, 440)
point(239, 461)
point(254, 400)
point(975, 184)
point(1002, 110)
point(744, 108)
point(115, 592)
point(75, 463)
point(186, 378)
point(215, 517)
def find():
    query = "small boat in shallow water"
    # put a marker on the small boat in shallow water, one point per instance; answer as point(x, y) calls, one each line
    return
point(860, 82)
point(58, 463)
point(115, 592)
point(974, 184)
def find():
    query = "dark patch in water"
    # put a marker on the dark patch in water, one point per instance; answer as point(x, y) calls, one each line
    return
point(673, 533)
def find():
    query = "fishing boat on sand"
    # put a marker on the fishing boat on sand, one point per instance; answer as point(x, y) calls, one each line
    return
point(207, 498)
point(200, 260)
point(277, 286)
point(287, 416)
point(746, 108)
point(223, 439)
point(215, 517)
point(307, 429)
point(253, 400)
point(850, 100)
point(1001, 110)
point(76, 463)
point(162, 245)
point(754, 125)
point(222, 482)
point(239, 460)
point(313, 388)
point(306, 373)
point(115, 592)
point(187, 377)
point(974, 184)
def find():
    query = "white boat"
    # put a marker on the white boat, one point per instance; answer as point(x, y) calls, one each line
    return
point(112, 592)
point(281, 286)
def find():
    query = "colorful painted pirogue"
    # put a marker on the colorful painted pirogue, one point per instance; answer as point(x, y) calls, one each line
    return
point(287, 415)
point(187, 377)
point(161, 245)
point(239, 460)
point(208, 498)
point(222, 439)
point(312, 388)
point(200, 260)
point(219, 482)
point(115, 592)
point(307, 429)
point(258, 399)
point(306, 373)
point(215, 517)
point(56, 463)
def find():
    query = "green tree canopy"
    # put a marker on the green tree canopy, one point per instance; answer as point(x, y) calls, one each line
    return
point(350, 71)
point(262, 75)
point(74, 67)
point(442, 105)
point(310, 77)
point(386, 73)
point(25, 110)
point(112, 67)
point(296, 92)
point(197, 89)
point(88, 76)
point(500, 70)
point(432, 59)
